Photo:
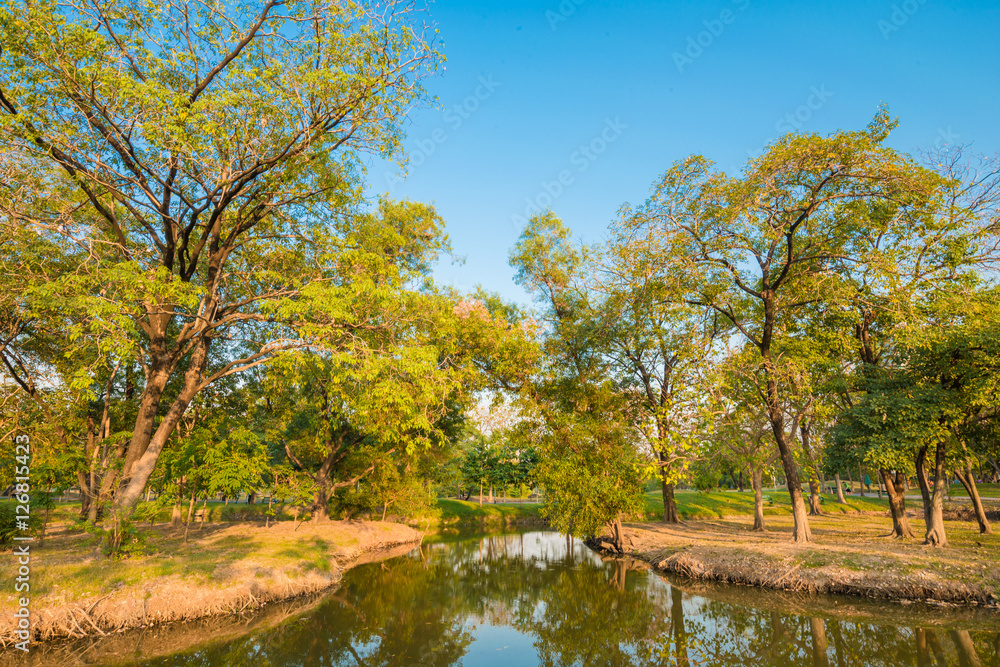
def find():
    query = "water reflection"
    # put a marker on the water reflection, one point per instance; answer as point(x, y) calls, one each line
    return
point(538, 598)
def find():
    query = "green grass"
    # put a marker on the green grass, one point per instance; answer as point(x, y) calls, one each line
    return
point(450, 511)
point(718, 504)
point(985, 490)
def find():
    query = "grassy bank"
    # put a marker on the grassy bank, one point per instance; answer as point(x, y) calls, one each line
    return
point(222, 569)
point(720, 504)
point(849, 555)
point(466, 514)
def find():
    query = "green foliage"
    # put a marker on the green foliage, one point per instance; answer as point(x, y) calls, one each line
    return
point(124, 540)
point(9, 526)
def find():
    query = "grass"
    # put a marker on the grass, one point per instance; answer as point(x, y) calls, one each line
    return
point(958, 491)
point(211, 559)
point(719, 504)
point(448, 511)
point(847, 551)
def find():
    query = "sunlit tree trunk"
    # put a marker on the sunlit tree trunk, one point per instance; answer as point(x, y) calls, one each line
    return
point(840, 489)
point(757, 479)
point(815, 508)
point(897, 504)
point(801, 531)
point(935, 521)
point(669, 502)
point(968, 480)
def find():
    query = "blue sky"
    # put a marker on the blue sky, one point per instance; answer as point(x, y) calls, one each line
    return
point(605, 95)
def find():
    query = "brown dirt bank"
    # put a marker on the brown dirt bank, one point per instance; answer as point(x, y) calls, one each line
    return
point(223, 570)
point(850, 556)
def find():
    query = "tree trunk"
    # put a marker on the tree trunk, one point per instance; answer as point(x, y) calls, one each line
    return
point(616, 535)
point(815, 505)
point(840, 489)
point(757, 479)
point(190, 515)
point(968, 480)
point(935, 522)
point(320, 509)
point(175, 515)
point(897, 505)
point(815, 508)
point(480, 492)
point(801, 531)
point(145, 449)
point(669, 502)
point(81, 479)
point(204, 513)
point(861, 480)
point(924, 484)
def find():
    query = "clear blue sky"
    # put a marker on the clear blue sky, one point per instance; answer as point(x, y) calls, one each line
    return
point(645, 83)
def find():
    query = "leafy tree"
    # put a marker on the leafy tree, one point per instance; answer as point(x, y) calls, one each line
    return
point(757, 249)
point(200, 158)
point(590, 467)
point(658, 349)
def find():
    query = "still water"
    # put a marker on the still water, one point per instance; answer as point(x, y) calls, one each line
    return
point(541, 599)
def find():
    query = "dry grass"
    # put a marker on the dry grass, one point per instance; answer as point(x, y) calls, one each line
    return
point(849, 554)
point(226, 568)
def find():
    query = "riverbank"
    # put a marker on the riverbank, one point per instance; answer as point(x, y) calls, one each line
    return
point(849, 555)
point(222, 569)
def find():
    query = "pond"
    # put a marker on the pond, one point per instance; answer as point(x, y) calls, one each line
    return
point(538, 598)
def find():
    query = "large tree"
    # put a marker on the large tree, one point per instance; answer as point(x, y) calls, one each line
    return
point(201, 157)
point(658, 349)
point(759, 248)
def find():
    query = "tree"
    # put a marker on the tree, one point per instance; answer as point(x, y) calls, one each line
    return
point(199, 157)
point(658, 348)
point(936, 248)
point(578, 418)
point(757, 249)
point(741, 429)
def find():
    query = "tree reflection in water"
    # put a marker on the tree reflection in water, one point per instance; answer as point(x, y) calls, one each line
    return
point(464, 601)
